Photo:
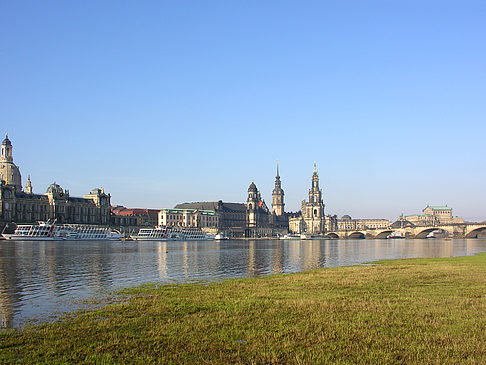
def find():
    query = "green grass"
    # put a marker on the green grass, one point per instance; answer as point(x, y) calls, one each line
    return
point(406, 311)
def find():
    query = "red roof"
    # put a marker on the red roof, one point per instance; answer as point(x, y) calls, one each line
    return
point(123, 211)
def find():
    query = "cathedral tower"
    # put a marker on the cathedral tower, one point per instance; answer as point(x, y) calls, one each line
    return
point(9, 172)
point(313, 210)
point(278, 197)
point(28, 186)
point(315, 195)
point(252, 205)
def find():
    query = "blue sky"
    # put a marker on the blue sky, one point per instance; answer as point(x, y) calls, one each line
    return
point(171, 101)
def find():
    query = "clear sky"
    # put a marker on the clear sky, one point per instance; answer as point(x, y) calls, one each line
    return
point(163, 102)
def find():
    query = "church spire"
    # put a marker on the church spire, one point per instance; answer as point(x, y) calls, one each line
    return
point(278, 196)
point(28, 186)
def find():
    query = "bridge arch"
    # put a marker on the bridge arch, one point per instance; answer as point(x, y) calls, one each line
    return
point(331, 235)
point(357, 235)
point(425, 232)
point(384, 234)
point(475, 232)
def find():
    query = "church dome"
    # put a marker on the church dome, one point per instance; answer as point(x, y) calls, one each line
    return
point(10, 173)
point(252, 187)
point(54, 189)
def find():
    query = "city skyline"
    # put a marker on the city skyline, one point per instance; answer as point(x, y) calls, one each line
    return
point(162, 104)
point(269, 202)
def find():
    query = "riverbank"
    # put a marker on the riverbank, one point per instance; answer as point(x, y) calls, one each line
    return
point(404, 311)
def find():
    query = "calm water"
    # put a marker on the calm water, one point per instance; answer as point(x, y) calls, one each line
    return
point(39, 280)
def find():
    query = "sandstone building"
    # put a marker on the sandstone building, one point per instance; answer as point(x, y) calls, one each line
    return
point(23, 206)
point(253, 219)
point(346, 223)
point(199, 218)
point(434, 215)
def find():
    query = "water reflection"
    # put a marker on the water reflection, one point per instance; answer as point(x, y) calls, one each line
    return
point(39, 279)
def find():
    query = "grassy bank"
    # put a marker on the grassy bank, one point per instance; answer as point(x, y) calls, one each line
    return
point(407, 311)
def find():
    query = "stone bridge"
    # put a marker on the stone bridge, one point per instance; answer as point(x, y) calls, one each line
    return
point(457, 230)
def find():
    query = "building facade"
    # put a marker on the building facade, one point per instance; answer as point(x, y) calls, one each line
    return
point(231, 216)
point(199, 218)
point(123, 217)
point(250, 219)
point(346, 223)
point(19, 206)
point(434, 215)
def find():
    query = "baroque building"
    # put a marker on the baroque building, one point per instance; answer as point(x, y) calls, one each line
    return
point(312, 219)
point(231, 219)
point(250, 219)
point(433, 215)
point(21, 206)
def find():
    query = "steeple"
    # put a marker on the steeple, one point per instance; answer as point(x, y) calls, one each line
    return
point(28, 186)
point(315, 194)
point(278, 196)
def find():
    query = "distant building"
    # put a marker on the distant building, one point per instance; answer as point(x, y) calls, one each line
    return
point(56, 203)
point(253, 219)
point(26, 207)
point(133, 217)
point(346, 223)
point(231, 216)
point(434, 215)
point(189, 218)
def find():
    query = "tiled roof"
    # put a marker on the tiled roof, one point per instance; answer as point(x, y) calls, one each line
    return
point(22, 195)
point(228, 207)
point(438, 207)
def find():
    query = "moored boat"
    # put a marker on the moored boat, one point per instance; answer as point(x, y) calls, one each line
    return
point(220, 237)
point(49, 231)
point(163, 233)
point(290, 237)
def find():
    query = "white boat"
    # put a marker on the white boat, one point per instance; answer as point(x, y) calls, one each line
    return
point(395, 235)
point(162, 233)
point(290, 237)
point(49, 231)
point(220, 236)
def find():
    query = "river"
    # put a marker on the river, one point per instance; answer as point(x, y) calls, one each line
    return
point(40, 280)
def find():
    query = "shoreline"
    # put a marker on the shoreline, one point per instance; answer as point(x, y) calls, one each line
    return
point(404, 310)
